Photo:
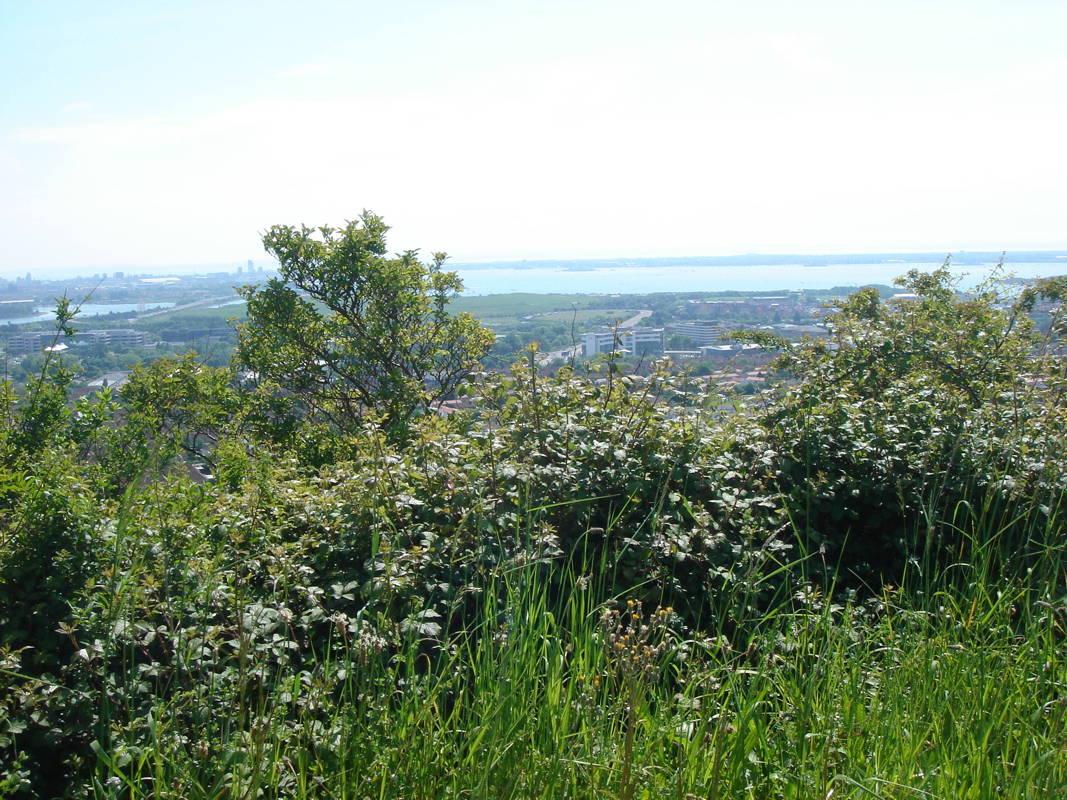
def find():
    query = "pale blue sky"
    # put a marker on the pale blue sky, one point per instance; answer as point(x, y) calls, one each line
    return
point(152, 134)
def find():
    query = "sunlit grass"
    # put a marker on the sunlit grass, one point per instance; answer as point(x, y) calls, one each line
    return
point(962, 697)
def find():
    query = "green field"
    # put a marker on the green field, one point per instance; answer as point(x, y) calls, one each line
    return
point(195, 317)
point(520, 304)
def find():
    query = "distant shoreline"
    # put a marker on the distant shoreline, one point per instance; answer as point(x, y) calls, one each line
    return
point(968, 258)
point(959, 258)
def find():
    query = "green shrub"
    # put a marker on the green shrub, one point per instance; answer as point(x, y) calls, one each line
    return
point(340, 598)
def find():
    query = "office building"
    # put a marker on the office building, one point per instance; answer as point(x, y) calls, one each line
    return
point(699, 332)
point(636, 341)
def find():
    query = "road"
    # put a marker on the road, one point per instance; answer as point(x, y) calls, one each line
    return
point(198, 304)
point(635, 320)
point(543, 359)
point(546, 358)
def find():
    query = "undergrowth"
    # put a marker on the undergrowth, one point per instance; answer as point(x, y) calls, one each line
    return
point(960, 696)
point(587, 586)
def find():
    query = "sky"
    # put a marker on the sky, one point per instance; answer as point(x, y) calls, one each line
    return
point(150, 135)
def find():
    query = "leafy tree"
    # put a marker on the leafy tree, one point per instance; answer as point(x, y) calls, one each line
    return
point(353, 333)
point(178, 406)
point(42, 413)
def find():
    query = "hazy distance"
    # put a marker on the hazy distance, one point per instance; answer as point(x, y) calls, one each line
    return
point(143, 137)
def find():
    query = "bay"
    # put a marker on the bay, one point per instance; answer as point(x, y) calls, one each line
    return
point(88, 310)
point(717, 278)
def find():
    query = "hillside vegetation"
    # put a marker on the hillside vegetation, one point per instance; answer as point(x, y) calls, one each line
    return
point(587, 585)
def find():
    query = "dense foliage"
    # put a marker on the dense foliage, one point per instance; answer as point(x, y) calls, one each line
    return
point(387, 347)
point(370, 598)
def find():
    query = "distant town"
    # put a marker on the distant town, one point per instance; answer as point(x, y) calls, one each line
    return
point(125, 319)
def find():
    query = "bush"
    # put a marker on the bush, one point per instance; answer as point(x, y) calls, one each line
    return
point(907, 413)
point(145, 617)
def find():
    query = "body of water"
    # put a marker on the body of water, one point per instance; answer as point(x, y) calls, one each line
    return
point(717, 278)
point(87, 310)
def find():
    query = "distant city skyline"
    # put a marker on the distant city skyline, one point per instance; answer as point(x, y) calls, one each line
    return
point(154, 139)
point(1053, 259)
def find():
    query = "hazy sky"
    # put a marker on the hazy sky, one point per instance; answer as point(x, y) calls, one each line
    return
point(151, 134)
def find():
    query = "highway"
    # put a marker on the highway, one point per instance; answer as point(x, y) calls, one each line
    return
point(198, 304)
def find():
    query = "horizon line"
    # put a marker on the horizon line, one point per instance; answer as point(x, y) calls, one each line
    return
point(733, 259)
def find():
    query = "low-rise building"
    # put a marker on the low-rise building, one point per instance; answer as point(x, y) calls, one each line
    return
point(638, 341)
point(699, 332)
point(728, 350)
point(681, 354)
point(120, 337)
point(32, 342)
point(113, 380)
point(35, 341)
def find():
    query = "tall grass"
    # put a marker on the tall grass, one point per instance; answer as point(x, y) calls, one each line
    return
point(952, 685)
point(942, 688)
